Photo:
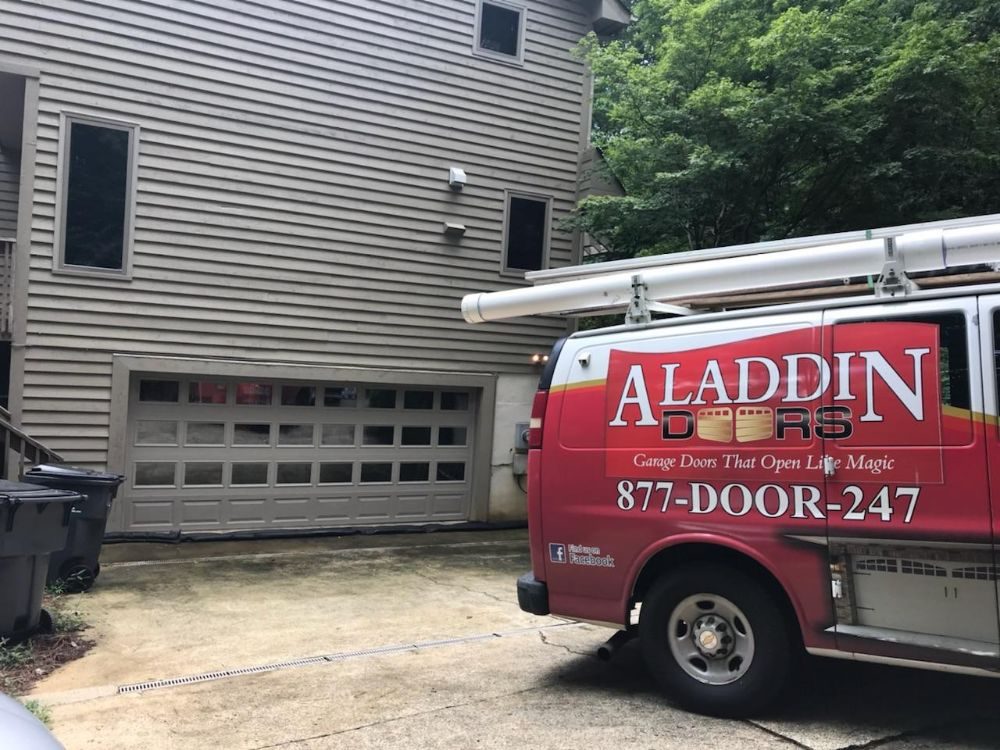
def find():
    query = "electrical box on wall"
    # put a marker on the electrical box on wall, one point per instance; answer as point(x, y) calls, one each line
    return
point(519, 464)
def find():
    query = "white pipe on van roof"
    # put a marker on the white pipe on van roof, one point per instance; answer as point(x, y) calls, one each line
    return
point(920, 251)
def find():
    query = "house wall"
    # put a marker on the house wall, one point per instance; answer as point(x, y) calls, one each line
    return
point(10, 173)
point(292, 187)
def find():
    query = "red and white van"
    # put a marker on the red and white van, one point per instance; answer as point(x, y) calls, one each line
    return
point(821, 475)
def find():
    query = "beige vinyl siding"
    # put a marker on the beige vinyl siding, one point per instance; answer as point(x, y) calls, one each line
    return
point(10, 173)
point(292, 186)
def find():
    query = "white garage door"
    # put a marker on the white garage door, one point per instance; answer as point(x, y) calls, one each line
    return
point(215, 454)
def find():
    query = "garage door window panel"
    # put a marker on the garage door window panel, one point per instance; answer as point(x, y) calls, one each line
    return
point(454, 401)
point(203, 474)
point(205, 392)
point(338, 435)
point(379, 398)
point(377, 435)
point(336, 473)
point(451, 471)
point(298, 395)
point(254, 394)
point(295, 435)
point(294, 473)
point(155, 432)
point(205, 433)
point(418, 399)
point(376, 473)
point(415, 471)
point(159, 391)
point(248, 473)
point(415, 436)
point(340, 396)
point(452, 436)
point(155, 474)
point(252, 434)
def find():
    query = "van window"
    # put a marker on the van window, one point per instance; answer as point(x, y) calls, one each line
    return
point(953, 356)
point(953, 367)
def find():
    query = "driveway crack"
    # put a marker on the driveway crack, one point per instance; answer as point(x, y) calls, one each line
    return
point(393, 719)
point(547, 642)
point(777, 735)
point(471, 590)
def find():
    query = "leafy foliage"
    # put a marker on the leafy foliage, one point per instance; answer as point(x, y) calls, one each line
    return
point(733, 121)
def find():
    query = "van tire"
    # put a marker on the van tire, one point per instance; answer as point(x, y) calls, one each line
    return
point(750, 643)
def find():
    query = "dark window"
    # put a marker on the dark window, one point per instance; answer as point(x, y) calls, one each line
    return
point(253, 394)
point(97, 196)
point(451, 436)
point(249, 473)
point(295, 434)
point(203, 474)
point(298, 473)
point(454, 401)
point(371, 473)
point(451, 472)
point(159, 390)
point(416, 472)
point(295, 395)
point(527, 224)
point(380, 398)
point(339, 473)
point(205, 392)
point(416, 436)
point(377, 434)
point(340, 395)
point(500, 29)
point(418, 399)
point(252, 434)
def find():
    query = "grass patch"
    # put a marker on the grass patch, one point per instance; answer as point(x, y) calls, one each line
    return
point(42, 713)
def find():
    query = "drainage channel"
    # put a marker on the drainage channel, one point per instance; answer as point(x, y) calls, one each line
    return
point(306, 553)
point(141, 687)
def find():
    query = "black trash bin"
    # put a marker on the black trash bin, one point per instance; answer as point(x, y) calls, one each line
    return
point(77, 565)
point(34, 522)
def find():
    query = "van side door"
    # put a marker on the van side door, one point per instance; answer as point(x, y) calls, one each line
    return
point(989, 337)
point(908, 499)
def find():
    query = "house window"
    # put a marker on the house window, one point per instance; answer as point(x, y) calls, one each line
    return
point(500, 31)
point(97, 197)
point(526, 233)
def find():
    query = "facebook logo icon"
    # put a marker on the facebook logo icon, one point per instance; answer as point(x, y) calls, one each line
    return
point(557, 553)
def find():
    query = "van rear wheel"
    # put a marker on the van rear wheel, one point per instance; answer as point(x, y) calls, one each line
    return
point(716, 640)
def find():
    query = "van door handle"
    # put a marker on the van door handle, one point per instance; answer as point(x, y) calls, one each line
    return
point(829, 467)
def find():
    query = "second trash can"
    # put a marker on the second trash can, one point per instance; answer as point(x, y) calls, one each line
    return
point(34, 522)
point(77, 564)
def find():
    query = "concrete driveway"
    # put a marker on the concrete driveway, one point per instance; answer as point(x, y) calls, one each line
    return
point(416, 641)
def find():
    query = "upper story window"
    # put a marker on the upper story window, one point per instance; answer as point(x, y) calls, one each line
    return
point(500, 31)
point(97, 198)
point(526, 233)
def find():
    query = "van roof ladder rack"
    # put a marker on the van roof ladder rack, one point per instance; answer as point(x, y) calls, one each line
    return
point(892, 264)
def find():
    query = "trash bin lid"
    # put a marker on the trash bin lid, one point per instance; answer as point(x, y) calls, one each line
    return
point(73, 474)
point(22, 492)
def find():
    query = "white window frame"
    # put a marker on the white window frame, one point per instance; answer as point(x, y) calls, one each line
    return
point(66, 120)
point(522, 12)
point(505, 269)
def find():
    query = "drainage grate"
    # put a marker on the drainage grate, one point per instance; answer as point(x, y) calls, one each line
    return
point(141, 687)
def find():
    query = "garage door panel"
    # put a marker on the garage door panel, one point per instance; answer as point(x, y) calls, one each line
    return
point(256, 454)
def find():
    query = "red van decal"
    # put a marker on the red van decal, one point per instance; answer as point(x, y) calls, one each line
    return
point(759, 408)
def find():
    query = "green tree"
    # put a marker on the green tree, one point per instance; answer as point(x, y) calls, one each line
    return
point(733, 121)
